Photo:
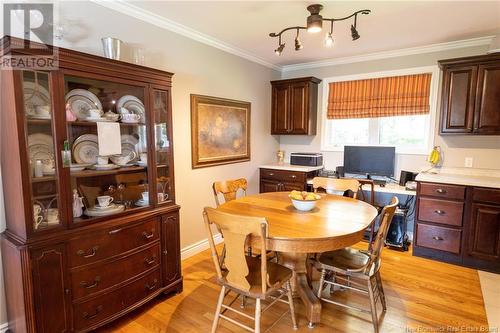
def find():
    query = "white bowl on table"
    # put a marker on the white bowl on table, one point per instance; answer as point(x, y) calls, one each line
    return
point(304, 205)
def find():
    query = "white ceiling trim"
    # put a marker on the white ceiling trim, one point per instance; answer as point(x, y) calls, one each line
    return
point(480, 41)
point(149, 17)
point(129, 9)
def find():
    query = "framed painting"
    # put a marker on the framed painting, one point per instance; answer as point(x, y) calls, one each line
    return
point(220, 131)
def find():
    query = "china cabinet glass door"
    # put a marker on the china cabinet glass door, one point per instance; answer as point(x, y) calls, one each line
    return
point(163, 151)
point(105, 181)
point(41, 148)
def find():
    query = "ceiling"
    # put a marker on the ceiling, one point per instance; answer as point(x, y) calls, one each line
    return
point(392, 25)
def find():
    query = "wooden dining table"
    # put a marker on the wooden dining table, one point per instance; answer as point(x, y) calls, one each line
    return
point(335, 222)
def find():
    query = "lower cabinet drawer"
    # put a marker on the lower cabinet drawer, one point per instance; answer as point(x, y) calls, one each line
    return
point(439, 238)
point(98, 309)
point(283, 175)
point(89, 280)
point(110, 242)
point(440, 211)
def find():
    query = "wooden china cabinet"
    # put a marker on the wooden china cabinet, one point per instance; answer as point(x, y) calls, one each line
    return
point(74, 274)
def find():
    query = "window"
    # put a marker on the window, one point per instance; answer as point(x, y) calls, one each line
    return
point(410, 134)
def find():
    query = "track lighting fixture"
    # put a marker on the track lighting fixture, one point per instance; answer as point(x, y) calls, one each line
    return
point(280, 47)
point(298, 44)
point(315, 24)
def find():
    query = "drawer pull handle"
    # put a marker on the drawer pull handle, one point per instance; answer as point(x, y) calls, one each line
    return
point(152, 286)
point(148, 236)
point(437, 238)
point(151, 261)
point(440, 191)
point(88, 316)
point(88, 254)
point(115, 231)
point(87, 285)
point(439, 212)
point(293, 176)
point(271, 174)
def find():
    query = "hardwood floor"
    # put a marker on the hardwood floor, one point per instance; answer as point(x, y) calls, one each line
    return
point(422, 296)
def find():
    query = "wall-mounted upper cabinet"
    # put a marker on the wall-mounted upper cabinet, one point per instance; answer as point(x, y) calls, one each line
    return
point(471, 95)
point(294, 106)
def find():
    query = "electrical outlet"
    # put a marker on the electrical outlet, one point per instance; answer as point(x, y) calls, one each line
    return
point(468, 162)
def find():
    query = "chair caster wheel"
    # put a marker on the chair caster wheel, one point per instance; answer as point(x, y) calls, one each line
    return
point(310, 325)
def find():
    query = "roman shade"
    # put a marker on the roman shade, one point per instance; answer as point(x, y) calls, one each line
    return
point(380, 97)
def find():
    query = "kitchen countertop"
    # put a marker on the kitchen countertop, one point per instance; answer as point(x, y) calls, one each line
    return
point(459, 176)
point(289, 167)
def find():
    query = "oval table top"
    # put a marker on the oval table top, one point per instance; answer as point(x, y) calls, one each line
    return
point(334, 223)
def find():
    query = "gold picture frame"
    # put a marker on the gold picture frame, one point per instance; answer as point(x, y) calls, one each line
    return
point(220, 131)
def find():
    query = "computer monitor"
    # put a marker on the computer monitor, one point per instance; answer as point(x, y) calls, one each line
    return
point(378, 161)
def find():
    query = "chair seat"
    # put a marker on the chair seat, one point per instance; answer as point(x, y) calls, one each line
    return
point(344, 259)
point(278, 275)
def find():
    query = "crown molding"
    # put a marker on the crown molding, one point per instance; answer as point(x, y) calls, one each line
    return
point(480, 41)
point(129, 9)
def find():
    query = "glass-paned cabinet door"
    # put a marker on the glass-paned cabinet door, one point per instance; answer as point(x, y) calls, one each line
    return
point(162, 146)
point(107, 136)
point(41, 150)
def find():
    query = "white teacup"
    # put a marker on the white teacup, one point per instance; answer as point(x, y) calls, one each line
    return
point(95, 113)
point(102, 160)
point(52, 215)
point(123, 160)
point(130, 117)
point(37, 209)
point(104, 200)
point(37, 219)
point(145, 196)
point(48, 166)
point(42, 110)
point(143, 157)
point(161, 197)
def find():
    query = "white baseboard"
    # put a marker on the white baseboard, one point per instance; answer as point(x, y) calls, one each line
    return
point(197, 247)
point(3, 327)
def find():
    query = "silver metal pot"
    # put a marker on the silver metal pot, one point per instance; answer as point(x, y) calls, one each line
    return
point(111, 47)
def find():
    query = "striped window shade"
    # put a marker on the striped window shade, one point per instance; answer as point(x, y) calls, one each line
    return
point(380, 97)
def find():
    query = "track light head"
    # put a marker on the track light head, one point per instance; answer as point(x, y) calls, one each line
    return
point(329, 40)
point(298, 44)
point(354, 33)
point(279, 50)
point(315, 20)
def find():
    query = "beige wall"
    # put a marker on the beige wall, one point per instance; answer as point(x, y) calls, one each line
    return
point(482, 149)
point(199, 69)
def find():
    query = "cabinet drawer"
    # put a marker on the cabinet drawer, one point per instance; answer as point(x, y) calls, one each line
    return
point(98, 309)
point(439, 238)
point(442, 191)
point(440, 211)
point(283, 175)
point(486, 195)
point(109, 242)
point(89, 280)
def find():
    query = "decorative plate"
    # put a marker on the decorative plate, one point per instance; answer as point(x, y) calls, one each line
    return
point(86, 152)
point(133, 105)
point(40, 147)
point(103, 167)
point(85, 137)
point(99, 212)
point(142, 203)
point(80, 101)
point(34, 95)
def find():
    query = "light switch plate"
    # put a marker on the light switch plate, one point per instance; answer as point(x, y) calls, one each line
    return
point(468, 162)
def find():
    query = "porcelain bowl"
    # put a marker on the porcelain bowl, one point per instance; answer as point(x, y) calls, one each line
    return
point(304, 205)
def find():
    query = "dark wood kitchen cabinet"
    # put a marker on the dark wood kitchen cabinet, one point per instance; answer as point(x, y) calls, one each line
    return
point(471, 95)
point(294, 106)
point(458, 224)
point(67, 272)
point(276, 180)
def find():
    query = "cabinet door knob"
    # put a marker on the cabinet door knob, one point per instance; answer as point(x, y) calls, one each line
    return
point(439, 212)
point(88, 254)
point(115, 231)
point(271, 174)
point(440, 191)
point(437, 238)
point(293, 176)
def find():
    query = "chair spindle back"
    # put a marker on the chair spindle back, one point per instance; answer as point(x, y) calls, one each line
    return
point(339, 185)
point(229, 189)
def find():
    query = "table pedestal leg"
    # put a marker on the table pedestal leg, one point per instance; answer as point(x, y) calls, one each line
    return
point(300, 286)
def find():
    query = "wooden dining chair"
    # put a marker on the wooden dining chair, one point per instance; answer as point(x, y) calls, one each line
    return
point(358, 270)
point(243, 274)
point(337, 186)
point(229, 189)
